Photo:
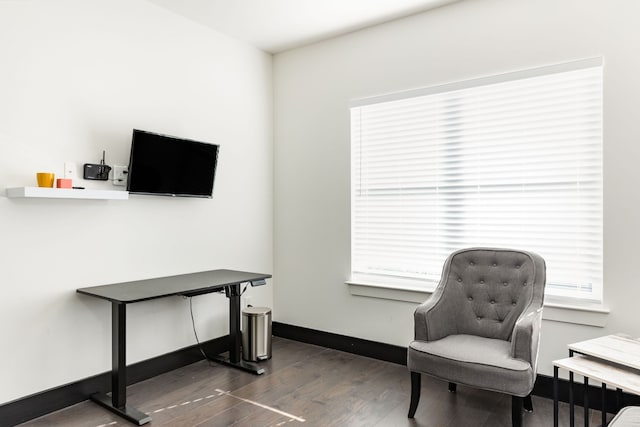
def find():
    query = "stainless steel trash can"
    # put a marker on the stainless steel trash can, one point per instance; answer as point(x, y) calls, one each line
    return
point(256, 334)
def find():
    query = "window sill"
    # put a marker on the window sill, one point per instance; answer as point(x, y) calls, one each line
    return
point(575, 311)
point(556, 309)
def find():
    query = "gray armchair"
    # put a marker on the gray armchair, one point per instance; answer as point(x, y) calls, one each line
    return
point(481, 326)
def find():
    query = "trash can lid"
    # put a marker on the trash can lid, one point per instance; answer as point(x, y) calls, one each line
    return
point(256, 311)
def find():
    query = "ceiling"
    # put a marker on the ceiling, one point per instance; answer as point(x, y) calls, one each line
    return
point(278, 25)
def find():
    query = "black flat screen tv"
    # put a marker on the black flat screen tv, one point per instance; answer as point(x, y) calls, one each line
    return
point(170, 166)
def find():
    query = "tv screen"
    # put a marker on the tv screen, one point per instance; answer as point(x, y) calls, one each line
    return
point(170, 166)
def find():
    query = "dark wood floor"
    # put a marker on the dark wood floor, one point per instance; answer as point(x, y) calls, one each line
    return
point(305, 385)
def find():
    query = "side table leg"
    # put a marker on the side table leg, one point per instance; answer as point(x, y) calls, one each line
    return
point(571, 409)
point(586, 401)
point(603, 402)
point(555, 396)
point(619, 399)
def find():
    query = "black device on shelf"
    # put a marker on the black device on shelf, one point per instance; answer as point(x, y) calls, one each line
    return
point(99, 172)
point(171, 166)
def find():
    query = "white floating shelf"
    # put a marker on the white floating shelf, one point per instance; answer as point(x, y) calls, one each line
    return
point(65, 193)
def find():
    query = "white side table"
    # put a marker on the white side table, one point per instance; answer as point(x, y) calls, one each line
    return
point(612, 360)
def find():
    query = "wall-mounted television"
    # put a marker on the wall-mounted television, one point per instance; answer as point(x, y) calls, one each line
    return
point(170, 166)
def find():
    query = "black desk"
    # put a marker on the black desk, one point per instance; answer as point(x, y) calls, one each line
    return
point(121, 294)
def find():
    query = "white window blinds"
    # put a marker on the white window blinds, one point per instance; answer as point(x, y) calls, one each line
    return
point(509, 161)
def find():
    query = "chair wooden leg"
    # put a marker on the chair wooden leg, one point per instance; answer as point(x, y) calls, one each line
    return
point(415, 393)
point(452, 387)
point(527, 403)
point(516, 411)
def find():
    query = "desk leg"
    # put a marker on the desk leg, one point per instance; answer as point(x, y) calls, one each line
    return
point(235, 335)
point(555, 396)
point(118, 354)
point(118, 401)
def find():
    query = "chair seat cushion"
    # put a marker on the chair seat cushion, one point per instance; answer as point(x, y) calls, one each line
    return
point(627, 417)
point(475, 361)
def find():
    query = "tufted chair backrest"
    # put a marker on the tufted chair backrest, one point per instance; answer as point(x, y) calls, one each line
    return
point(490, 288)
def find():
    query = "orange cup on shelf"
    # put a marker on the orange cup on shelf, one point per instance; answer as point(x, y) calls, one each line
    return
point(63, 183)
point(45, 179)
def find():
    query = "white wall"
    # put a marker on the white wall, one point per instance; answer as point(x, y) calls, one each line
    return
point(469, 39)
point(75, 77)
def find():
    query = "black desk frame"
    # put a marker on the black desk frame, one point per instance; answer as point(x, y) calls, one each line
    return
point(117, 403)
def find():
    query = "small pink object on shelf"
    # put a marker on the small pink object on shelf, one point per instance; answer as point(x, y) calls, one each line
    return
point(63, 183)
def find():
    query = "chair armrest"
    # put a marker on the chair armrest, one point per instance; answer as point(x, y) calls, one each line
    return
point(526, 335)
point(433, 318)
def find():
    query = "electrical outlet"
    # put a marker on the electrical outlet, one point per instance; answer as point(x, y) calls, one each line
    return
point(247, 302)
point(120, 175)
point(70, 170)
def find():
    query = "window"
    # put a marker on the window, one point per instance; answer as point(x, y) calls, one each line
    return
point(513, 160)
